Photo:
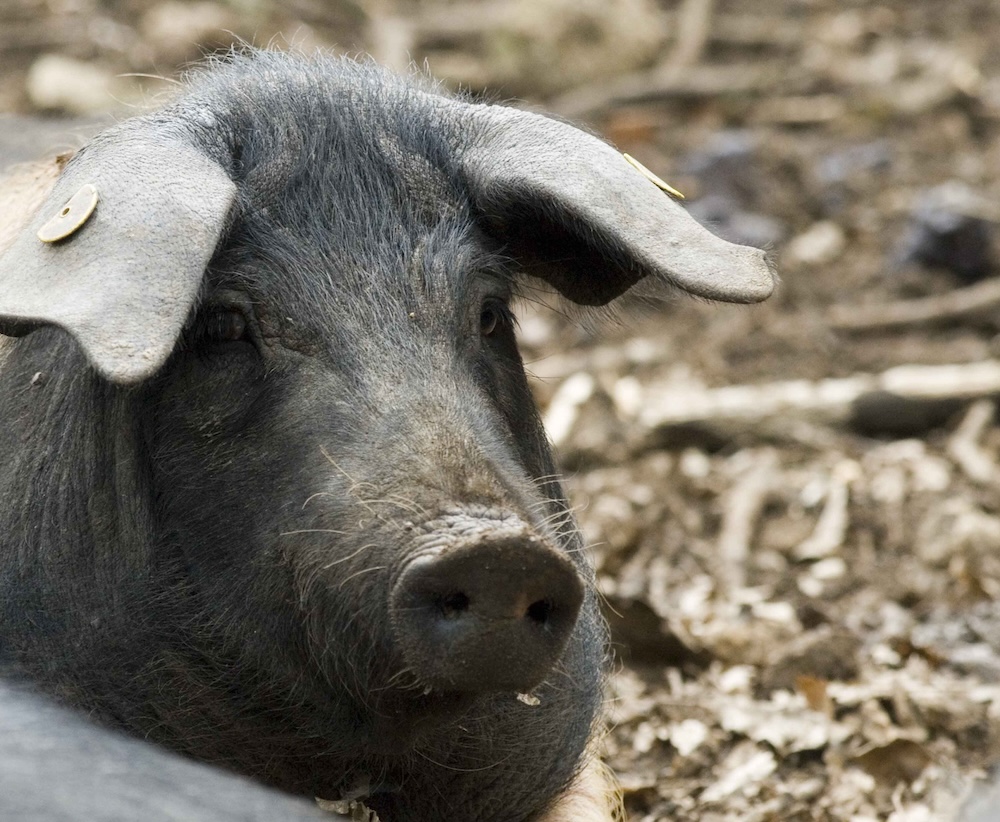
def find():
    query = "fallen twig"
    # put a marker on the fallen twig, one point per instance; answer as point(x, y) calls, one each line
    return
point(831, 401)
point(964, 447)
point(831, 528)
point(694, 26)
point(957, 304)
point(655, 85)
point(742, 509)
point(465, 21)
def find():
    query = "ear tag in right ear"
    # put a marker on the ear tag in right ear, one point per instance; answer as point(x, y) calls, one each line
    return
point(656, 181)
point(71, 216)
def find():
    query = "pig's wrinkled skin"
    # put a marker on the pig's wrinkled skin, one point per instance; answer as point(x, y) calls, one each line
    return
point(268, 397)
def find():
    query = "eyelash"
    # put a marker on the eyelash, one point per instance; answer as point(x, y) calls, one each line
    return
point(219, 327)
point(494, 316)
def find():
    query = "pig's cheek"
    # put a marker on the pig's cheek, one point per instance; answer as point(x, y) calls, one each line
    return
point(593, 797)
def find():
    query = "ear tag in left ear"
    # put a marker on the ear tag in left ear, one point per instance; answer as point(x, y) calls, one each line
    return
point(71, 216)
point(656, 181)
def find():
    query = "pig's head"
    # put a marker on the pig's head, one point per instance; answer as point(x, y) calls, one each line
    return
point(309, 438)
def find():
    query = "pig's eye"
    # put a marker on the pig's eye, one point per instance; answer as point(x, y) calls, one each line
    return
point(492, 318)
point(222, 326)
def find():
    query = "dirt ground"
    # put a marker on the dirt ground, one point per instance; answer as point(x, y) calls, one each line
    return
point(794, 507)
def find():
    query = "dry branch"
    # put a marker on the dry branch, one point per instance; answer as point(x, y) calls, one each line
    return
point(693, 30)
point(742, 510)
point(831, 528)
point(470, 21)
point(656, 85)
point(781, 405)
point(963, 447)
point(957, 304)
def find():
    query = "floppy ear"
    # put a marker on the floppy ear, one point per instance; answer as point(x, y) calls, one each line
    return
point(574, 212)
point(120, 278)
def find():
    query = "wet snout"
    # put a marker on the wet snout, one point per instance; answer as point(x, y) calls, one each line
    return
point(489, 609)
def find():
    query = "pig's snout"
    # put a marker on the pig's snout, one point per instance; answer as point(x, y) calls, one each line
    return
point(490, 613)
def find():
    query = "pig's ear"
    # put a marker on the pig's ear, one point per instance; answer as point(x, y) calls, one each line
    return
point(574, 212)
point(116, 252)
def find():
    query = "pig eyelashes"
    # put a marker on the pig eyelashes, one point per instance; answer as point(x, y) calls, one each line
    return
point(221, 326)
point(494, 316)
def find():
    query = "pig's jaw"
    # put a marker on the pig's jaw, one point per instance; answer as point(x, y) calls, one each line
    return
point(404, 719)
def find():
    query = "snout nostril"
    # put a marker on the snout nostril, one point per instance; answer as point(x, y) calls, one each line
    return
point(453, 604)
point(491, 613)
point(539, 611)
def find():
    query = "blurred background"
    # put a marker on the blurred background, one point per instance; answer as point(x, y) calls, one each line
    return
point(794, 507)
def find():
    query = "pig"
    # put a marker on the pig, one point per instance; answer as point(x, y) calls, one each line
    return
point(274, 493)
point(55, 766)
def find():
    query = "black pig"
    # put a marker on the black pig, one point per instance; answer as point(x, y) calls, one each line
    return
point(273, 491)
point(57, 767)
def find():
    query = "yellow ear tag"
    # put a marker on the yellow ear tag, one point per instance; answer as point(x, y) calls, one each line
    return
point(656, 181)
point(71, 216)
